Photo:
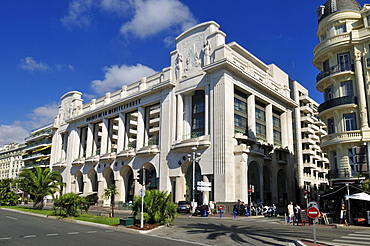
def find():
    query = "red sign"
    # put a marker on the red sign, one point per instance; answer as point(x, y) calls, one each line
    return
point(221, 207)
point(250, 190)
point(312, 212)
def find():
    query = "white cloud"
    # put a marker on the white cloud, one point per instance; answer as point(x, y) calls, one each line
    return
point(12, 134)
point(78, 14)
point(147, 17)
point(116, 77)
point(18, 131)
point(42, 116)
point(153, 16)
point(28, 63)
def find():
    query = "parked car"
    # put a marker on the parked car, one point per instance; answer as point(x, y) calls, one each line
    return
point(183, 206)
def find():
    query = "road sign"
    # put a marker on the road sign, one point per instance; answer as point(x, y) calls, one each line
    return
point(202, 183)
point(141, 193)
point(220, 207)
point(312, 212)
point(203, 188)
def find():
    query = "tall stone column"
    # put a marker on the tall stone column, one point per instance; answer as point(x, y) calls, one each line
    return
point(269, 126)
point(121, 132)
point(206, 110)
point(251, 105)
point(90, 140)
point(361, 94)
point(104, 137)
point(140, 128)
point(180, 117)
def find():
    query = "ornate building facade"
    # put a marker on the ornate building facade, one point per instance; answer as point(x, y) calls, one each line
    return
point(342, 56)
point(215, 99)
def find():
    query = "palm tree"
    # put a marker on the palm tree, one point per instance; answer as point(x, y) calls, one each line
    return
point(40, 182)
point(109, 193)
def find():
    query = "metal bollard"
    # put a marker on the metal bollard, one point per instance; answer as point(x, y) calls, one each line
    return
point(204, 212)
point(246, 212)
point(220, 213)
point(234, 213)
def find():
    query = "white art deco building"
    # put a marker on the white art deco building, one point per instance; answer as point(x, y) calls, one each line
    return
point(217, 97)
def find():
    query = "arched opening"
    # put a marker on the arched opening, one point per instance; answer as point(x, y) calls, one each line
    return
point(109, 176)
point(267, 186)
point(127, 184)
point(254, 181)
point(190, 193)
point(153, 179)
point(282, 188)
point(79, 182)
point(93, 176)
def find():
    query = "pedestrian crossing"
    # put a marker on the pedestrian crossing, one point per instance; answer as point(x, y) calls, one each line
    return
point(355, 238)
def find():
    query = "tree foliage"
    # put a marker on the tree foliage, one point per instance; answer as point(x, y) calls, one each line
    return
point(71, 204)
point(366, 185)
point(40, 182)
point(109, 193)
point(7, 195)
point(158, 207)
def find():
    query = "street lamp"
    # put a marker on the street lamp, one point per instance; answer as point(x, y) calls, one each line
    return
point(194, 157)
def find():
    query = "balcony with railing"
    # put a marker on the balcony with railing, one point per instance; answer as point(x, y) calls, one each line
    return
point(339, 173)
point(337, 102)
point(339, 68)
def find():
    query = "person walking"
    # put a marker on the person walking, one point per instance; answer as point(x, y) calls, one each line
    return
point(296, 213)
point(290, 212)
point(343, 214)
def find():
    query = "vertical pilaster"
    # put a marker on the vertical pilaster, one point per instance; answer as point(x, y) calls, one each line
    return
point(269, 126)
point(121, 132)
point(206, 110)
point(140, 128)
point(180, 117)
point(104, 137)
point(251, 105)
point(90, 140)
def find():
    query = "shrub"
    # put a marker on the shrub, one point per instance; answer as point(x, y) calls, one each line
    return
point(158, 207)
point(71, 204)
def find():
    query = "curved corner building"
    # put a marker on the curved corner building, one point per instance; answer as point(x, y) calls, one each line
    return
point(343, 58)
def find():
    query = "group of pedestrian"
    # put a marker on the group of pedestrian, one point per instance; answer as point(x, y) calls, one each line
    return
point(293, 213)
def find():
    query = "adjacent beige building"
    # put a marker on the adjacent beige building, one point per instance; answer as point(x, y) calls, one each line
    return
point(11, 162)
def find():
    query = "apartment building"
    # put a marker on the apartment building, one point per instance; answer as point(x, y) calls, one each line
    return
point(11, 162)
point(37, 148)
point(312, 165)
point(341, 56)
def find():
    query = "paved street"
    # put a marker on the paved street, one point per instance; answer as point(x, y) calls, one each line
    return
point(23, 229)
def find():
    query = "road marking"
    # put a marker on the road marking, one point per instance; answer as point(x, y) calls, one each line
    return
point(349, 241)
point(29, 236)
point(73, 233)
point(52, 234)
point(110, 231)
point(5, 238)
point(11, 218)
point(92, 231)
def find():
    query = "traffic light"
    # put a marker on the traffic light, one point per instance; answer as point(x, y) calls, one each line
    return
point(143, 176)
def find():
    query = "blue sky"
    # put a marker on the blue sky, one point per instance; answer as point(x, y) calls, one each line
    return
point(48, 48)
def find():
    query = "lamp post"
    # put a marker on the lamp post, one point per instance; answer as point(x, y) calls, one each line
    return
point(194, 157)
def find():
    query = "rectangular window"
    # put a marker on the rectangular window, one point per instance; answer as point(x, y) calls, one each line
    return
point(277, 136)
point(260, 114)
point(346, 88)
point(340, 29)
point(328, 93)
point(239, 105)
point(331, 128)
point(240, 121)
point(349, 122)
point(260, 129)
point(325, 66)
point(276, 121)
point(344, 63)
point(198, 107)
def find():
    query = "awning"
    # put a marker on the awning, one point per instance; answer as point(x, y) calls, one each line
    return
point(340, 192)
point(359, 196)
point(42, 158)
point(87, 194)
point(42, 148)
